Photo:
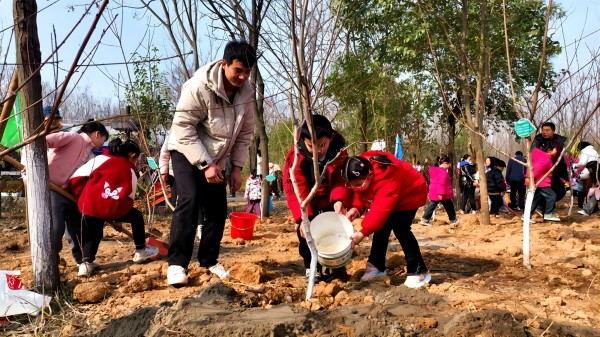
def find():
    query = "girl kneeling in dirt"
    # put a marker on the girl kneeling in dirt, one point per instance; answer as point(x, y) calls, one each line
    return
point(331, 152)
point(391, 191)
point(105, 188)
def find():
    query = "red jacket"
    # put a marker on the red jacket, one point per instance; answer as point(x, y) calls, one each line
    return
point(332, 187)
point(394, 187)
point(104, 187)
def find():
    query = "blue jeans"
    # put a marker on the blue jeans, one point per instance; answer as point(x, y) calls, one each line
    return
point(590, 205)
point(448, 206)
point(544, 197)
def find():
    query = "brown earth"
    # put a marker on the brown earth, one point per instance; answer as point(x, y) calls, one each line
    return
point(479, 286)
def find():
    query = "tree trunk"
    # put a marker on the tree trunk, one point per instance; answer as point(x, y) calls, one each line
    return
point(450, 153)
point(261, 132)
point(364, 124)
point(44, 253)
point(451, 141)
point(480, 98)
point(483, 191)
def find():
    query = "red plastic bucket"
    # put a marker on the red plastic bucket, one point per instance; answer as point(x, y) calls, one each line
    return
point(242, 225)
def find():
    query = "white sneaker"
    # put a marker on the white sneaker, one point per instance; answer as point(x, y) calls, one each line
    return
point(551, 217)
point(219, 270)
point(582, 212)
point(454, 222)
point(143, 255)
point(417, 281)
point(530, 219)
point(86, 268)
point(176, 276)
point(425, 222)
point(371, 272)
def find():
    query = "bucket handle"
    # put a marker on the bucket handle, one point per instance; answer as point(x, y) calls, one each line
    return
point(241, 229)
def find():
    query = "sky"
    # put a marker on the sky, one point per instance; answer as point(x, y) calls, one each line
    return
point(582, 19)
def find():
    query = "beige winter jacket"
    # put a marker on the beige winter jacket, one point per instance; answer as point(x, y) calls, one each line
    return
point(207, 127)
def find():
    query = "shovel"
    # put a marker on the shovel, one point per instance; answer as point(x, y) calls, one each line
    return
point(151, 240)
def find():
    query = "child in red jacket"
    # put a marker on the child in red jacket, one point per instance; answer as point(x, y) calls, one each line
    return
point(330, 149)
point(105, 187)
point(390, 191)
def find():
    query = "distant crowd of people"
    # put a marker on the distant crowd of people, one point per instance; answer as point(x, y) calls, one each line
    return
point(552, 174)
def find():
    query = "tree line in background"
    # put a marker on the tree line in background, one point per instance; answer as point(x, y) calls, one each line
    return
point(436, 73)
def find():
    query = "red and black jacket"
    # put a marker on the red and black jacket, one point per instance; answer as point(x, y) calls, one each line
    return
point(332, 186)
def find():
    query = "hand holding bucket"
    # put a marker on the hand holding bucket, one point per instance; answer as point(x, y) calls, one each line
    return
point(331, 233)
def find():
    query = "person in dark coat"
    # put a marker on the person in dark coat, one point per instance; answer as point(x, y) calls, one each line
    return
point(560, 175)
point(496, 185)
point(515, 176)
point(467, 184)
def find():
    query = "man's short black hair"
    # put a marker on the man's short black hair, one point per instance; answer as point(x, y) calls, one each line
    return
point(550, 125)
point(518, 153)
point(241, 51)
point(322, 126)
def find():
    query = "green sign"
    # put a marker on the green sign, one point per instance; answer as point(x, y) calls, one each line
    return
point(524, 128)
point(152, 163)
point(13, 132)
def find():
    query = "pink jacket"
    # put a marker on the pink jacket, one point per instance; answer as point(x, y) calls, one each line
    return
point(440, 184)
point(542, 163)
point(67, 151)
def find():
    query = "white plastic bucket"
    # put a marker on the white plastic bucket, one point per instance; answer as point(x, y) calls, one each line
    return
point(331, 232)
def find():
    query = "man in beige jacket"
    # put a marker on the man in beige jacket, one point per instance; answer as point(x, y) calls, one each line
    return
point(214, 120)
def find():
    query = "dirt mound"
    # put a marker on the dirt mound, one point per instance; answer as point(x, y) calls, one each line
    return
point(247, 273)
point(487, 323)
point(136, 324)
point(216, 293)
point(91, 292)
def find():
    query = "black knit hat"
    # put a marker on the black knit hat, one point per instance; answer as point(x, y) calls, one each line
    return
point(355, 168)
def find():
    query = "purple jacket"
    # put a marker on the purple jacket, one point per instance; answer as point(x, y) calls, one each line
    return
point(440, 184)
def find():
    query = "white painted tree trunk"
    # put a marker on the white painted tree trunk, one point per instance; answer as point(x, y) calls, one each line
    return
point(43, 255)
point(313, 261)
point(526, 229)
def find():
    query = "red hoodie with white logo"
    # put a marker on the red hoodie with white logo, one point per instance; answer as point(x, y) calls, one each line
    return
point(104, 187)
